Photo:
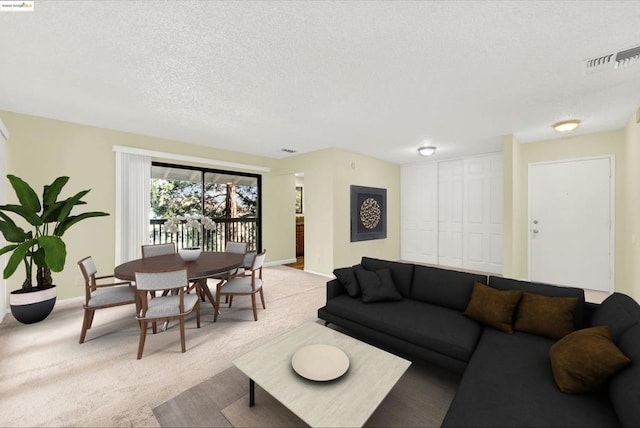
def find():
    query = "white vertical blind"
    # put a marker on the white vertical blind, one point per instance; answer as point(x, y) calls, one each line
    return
point(133, 176)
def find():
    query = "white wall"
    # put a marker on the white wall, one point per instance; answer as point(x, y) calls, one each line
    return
point(4, 135)
point(452, 213)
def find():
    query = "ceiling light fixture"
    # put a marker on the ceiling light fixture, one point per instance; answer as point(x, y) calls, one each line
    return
point(427, 150)
point(566, 125)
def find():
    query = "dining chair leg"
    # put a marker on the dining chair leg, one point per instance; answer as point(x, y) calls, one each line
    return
point(154, 327)
point(255, 309)
point(93, 313)
point(216, 305)
point(198, 314)
point(230, 299)
point(143, 335)
point(262, 298)
point(88, 315)
point(182, 341)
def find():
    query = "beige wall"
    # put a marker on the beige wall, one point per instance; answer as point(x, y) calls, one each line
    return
point(629, 242)
point(42, 149)
point(328, 175)
point(517, 158)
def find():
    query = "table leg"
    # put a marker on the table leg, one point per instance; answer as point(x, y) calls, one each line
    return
point(202, 285)
point(252, 392)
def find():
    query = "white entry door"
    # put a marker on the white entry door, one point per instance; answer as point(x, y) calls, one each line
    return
point(571, 231)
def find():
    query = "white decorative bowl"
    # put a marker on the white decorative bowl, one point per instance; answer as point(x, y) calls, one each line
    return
point(189, 254)
point(320, 362)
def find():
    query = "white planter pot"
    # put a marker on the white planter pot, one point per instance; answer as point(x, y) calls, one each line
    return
point(189, 254)
point(34, 306)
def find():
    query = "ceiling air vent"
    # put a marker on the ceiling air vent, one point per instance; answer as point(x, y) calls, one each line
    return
point(288, 150)
point(613, 61)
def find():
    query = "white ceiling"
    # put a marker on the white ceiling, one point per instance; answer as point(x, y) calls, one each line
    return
point(372, 77)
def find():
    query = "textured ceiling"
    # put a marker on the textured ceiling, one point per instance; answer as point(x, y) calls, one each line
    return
point(372, 77)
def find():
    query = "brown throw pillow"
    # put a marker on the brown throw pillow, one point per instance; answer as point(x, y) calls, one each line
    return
point(493, 307)
point(584, 360)
point(545, 316)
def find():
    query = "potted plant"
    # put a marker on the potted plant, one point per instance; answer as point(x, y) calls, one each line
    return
point(191, 232)
point(40, 244)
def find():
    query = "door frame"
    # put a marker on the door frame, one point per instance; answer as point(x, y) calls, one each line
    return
point(612, 213)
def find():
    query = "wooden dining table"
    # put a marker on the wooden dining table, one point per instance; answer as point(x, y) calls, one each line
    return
point(205, 266)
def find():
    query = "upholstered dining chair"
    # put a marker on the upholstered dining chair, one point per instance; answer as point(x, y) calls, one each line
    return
point(152, 250)
point(165, 307)
point(243, 284)
point(100, 294)
point(234, 248)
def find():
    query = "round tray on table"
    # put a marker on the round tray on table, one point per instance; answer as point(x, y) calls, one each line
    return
point(320, 362)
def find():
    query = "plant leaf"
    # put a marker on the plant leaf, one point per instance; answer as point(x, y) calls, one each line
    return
point(11, 231)
point(52, 212)
point(51, 192)
point(26, 195)
point(17, 257)
point(55, 252)
point(8, 248)
point(70, 221)
point(70, 203)
point(38, 257)
point(28, 214)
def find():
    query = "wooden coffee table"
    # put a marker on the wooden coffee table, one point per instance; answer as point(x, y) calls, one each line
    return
point(344, 402)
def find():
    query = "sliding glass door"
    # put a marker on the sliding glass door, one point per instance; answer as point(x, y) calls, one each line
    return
point(230, 199)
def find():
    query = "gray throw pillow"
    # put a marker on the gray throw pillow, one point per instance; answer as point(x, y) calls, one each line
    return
point(347, 278)
point(377, 286)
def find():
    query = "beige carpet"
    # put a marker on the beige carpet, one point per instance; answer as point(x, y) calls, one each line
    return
point(48, 379)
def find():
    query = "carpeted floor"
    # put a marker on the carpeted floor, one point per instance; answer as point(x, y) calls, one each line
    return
point(48, 379)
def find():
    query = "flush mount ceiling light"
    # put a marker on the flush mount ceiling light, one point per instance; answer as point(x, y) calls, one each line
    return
point(427, 150)
point(566, 125)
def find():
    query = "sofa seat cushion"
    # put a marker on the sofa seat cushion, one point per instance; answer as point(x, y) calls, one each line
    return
point(440, 329)
point(509, 383)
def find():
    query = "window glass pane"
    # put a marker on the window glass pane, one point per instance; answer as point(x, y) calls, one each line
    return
point(175, 191)
point(231, 200)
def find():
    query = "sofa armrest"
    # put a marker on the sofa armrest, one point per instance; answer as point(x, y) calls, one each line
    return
point(334, 289)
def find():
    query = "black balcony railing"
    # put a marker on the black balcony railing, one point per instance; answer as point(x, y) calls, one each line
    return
point(227, 229)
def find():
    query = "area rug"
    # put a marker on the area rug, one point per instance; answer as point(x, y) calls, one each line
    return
point(420, 399)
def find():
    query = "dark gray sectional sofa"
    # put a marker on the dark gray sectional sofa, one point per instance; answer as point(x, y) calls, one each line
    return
point(507, 378)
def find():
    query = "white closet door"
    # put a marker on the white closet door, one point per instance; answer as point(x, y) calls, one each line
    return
point(483, 213)
point(450, 213)
point(419, 213)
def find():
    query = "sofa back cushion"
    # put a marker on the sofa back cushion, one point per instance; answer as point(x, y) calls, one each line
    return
point(619, 312)
point(624, 388)
point(580, 313)
point(444, 287)
point(401, 273)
